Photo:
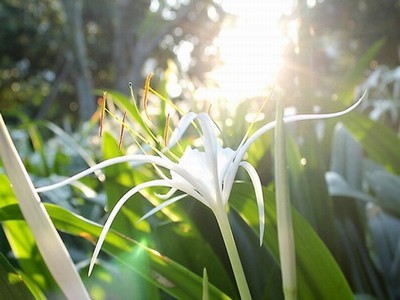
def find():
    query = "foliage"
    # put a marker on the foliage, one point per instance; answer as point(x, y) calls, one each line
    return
point(169, 250)
point(343, 174)
point(54, 53)
point(187, 224)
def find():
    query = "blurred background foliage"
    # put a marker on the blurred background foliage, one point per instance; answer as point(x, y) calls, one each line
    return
point(344, 176)
point(54, 53)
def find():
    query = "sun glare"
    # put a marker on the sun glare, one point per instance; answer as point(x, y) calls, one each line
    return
point(251, 48)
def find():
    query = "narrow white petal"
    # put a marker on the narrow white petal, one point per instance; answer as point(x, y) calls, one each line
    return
point(189, 190)
point(168, 195)
point(208, 129)
point(180, 129)
point(229, 178)
point(296, 118)
point(193, 173)
point(255, 179)
point(115, 211)
point(161, 161)
point(211, 149)
point(161, 206)
point(241, 150)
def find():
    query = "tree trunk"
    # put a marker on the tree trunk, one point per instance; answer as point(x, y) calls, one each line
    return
point(82, 76)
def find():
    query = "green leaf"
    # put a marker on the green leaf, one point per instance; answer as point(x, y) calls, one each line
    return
point(120, 178)
point(12, 284)
point(309, 192)
point(192, 251)
point(157, 269)
point(319, 276)
point(380, 142)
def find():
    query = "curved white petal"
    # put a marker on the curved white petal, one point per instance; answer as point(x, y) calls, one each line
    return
point(193, 169)
point(115, 211)
point(161, 206)
point(188, 189)
point(230, 175)
point(168, 195)
point(180, 129)
point(211, 148)
point(143, 158)
point(255, 179)
point(296, 118)
point(241, 150)
point(160, 161)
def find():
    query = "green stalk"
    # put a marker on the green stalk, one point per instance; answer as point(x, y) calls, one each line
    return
point(223, 222)
point(284, 216)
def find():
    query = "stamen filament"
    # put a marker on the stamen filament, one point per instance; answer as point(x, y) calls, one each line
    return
point(166, 130)
point(122, 131)
point(146, 93)
point(102, 114)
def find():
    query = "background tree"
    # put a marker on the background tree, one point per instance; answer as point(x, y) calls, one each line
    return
point(82, 46)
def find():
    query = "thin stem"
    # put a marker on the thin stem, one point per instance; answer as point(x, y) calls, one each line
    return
point(284, 217)
point(223, 222)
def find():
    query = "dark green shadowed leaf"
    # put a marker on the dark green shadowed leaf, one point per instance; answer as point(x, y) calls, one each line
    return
point(308, 189)
point(319, 276)
point(12, 285)
point(183, 243)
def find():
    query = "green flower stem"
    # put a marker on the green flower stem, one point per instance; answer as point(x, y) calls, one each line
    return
point(223, 222)
point(284, 216)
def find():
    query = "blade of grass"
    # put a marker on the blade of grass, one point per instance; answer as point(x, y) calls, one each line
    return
point(49, 242)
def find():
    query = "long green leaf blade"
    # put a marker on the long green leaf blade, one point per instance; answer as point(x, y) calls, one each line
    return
point(49, 242)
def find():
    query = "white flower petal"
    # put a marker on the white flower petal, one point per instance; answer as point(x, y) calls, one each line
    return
point(211, 149)
point(161, 206)
point(180, 129)
point(161, 161)
point(192, 169)
point(115, 211)
point(168, 195)
point(255, 179)
point(296, 118)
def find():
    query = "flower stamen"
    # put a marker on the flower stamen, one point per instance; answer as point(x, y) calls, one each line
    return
point(146, 93)
point(122, 131)
point(166, 130)
point(102, 102)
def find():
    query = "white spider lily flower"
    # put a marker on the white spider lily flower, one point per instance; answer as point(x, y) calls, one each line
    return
point(215, 166)
point(200, 174)
point(207, 175)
